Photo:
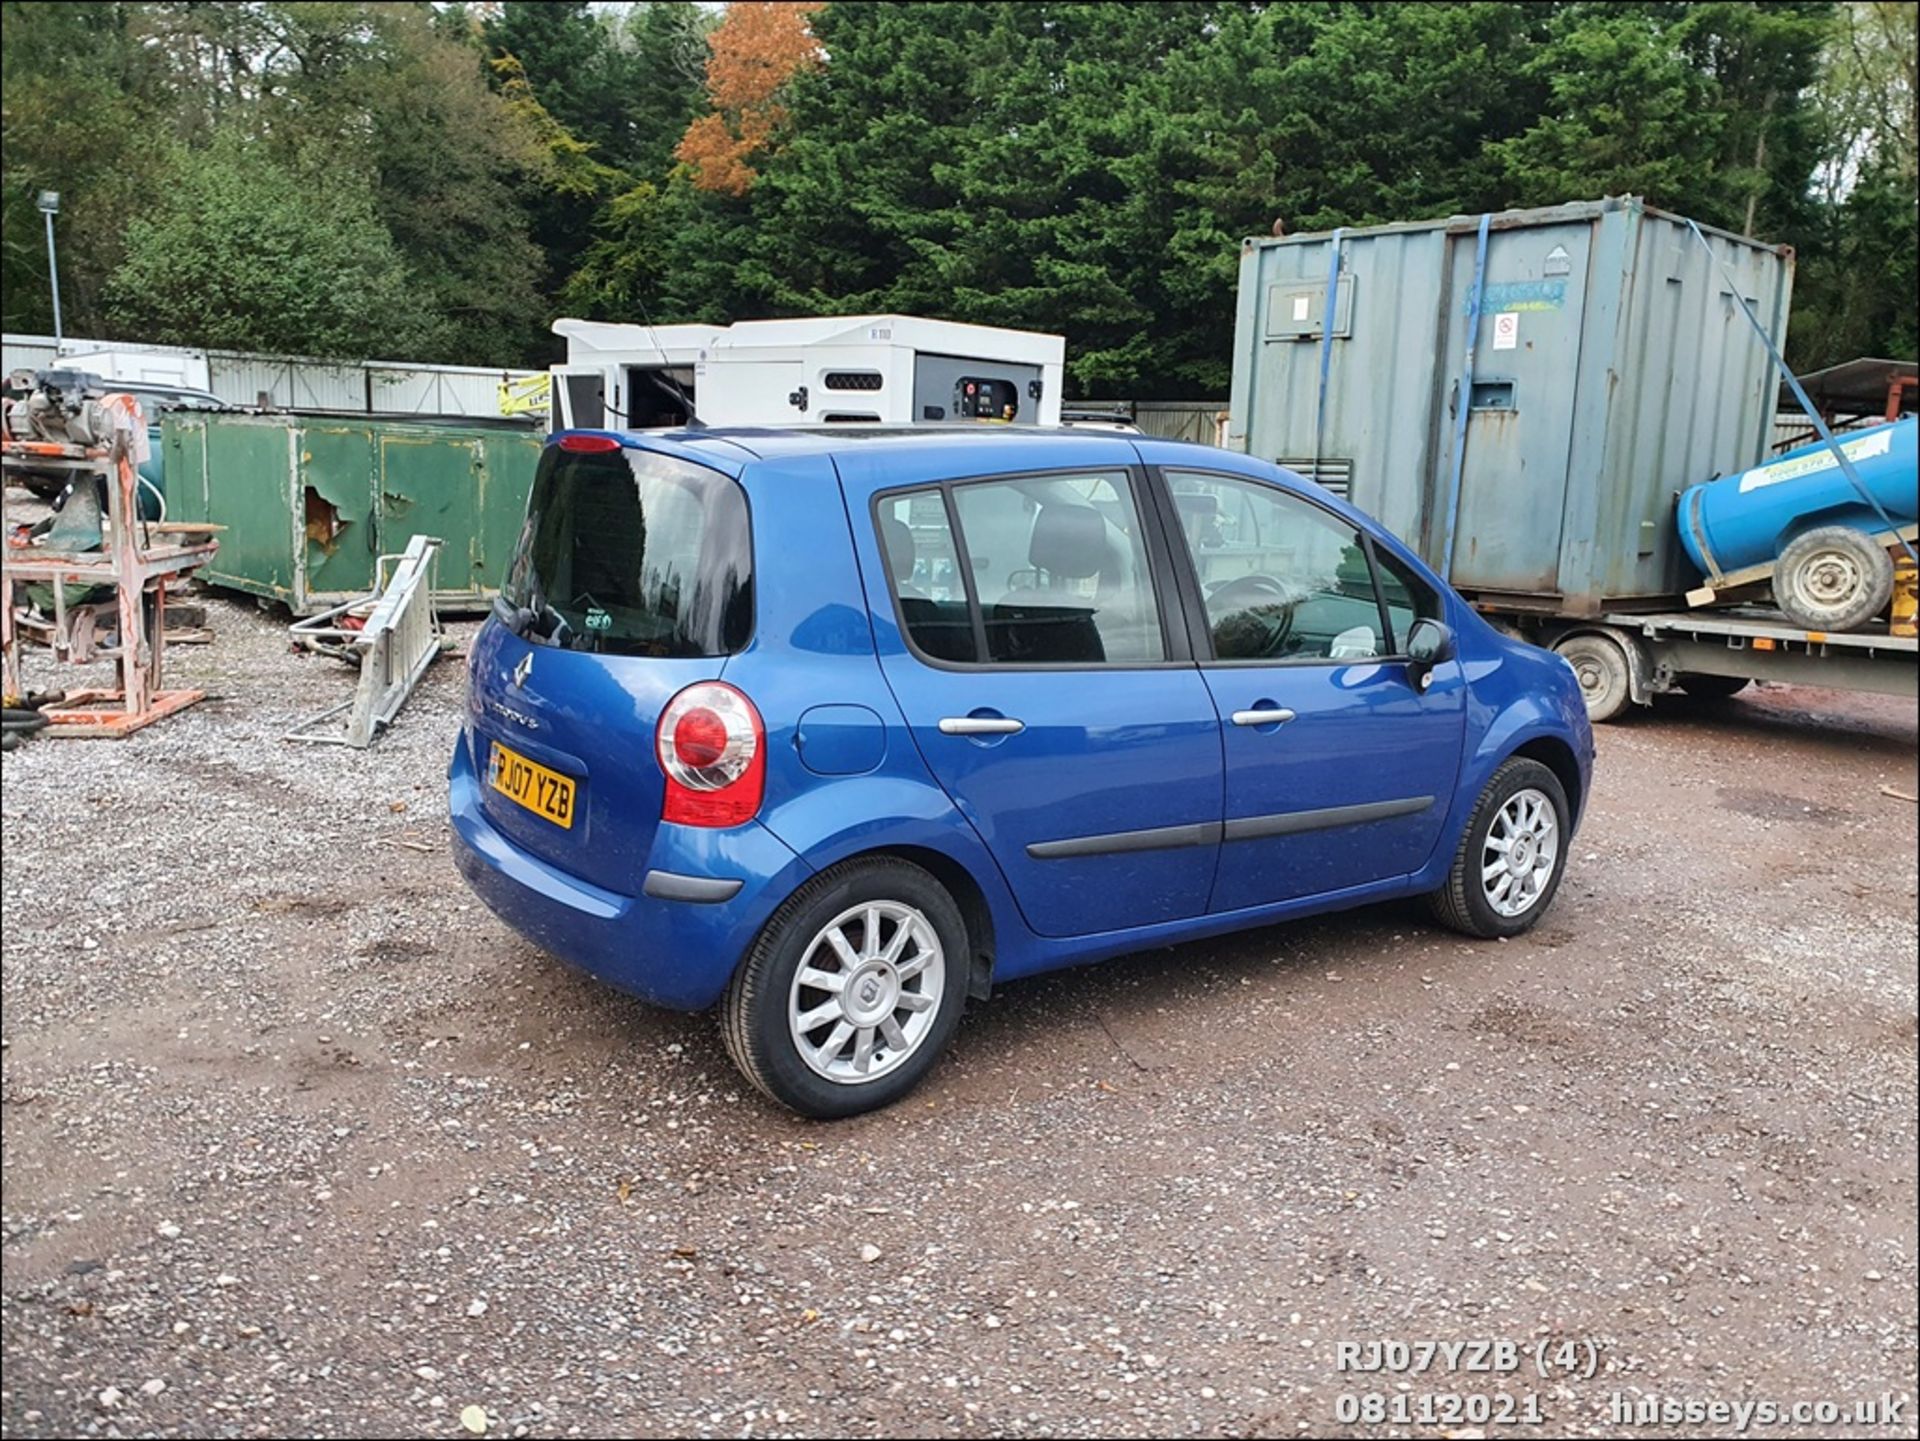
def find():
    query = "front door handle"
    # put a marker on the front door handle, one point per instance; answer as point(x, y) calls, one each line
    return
point(1277, 715)
point(981, 725)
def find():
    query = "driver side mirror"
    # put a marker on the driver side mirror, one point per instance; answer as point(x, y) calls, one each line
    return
point(1430, 643)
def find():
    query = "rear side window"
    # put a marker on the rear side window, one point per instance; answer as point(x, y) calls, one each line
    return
point(926, 574)
point(1043, 570)
point(632, 553)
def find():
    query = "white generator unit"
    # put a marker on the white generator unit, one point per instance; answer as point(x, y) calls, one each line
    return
point(184, 369)
point(831, 370)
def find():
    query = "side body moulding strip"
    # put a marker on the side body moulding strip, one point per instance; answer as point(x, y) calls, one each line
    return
point(1246, 828)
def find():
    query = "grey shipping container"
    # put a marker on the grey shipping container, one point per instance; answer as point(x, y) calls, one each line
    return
point(1611, 368)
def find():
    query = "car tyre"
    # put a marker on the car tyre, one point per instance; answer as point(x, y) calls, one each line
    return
point(1523, 804)
point(878, 906)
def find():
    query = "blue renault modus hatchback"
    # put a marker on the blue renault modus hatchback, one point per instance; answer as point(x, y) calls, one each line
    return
point(837, 728)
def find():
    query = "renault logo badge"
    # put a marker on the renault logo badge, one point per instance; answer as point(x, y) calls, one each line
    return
point(523, 670)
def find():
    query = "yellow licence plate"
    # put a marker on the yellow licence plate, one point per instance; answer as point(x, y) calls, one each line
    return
point(548, 794)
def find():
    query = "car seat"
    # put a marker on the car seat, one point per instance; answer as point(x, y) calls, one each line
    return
point(943, 629)
point(1044, 620)
point(896, 539)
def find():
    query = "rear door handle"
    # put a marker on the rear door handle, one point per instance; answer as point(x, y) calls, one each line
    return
point(1274, 717)
point(981, 725)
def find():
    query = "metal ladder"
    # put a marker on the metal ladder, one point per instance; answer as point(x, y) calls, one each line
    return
point(399, 640)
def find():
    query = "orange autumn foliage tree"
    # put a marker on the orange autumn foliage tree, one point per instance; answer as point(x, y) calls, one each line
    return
point(754, 51)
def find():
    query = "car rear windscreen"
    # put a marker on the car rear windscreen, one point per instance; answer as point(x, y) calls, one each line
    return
point(631, 552)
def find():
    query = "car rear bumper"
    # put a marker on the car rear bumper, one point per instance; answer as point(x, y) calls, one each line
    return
point(675, 944)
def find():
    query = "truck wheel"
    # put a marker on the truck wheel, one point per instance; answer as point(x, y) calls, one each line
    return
point(1834, 578)
point(851, 991)
point(1600, 664)
point(1712, 687)
point(1511, 857)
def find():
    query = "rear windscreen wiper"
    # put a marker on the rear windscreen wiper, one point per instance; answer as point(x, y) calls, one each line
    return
point(541, 620)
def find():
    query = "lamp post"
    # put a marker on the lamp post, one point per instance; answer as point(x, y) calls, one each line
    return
point(49, 203)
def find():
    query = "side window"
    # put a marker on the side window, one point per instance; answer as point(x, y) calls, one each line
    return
point(1058, 565)
point(1282, 579)
point(1060, 570)
point(1407, 599)
point(925, 571)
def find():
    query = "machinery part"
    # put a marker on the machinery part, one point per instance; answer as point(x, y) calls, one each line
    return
point(1833, 578)
point(1600, 663)
point(394, 646)
point(20, 707)
point(1731, 526)
point(1905, 610)
point(40, 484)
point(62, 407)
point(58, 407)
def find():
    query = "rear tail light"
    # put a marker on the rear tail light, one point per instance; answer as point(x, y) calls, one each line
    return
point(713, 750)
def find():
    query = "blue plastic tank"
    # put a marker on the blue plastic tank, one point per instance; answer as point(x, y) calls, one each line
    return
point(1748, 519)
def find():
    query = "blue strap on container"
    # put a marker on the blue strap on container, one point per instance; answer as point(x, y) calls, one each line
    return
point(1326, 348)
point(1799, 394)
point(1465, 401)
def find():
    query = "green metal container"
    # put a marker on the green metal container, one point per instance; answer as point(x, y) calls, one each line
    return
point(311, 500)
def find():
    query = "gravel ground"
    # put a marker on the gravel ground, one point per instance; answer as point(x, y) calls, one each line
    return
point(298, 1139)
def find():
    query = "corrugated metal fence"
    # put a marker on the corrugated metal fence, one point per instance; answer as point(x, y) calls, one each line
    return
point(291, 381)
point(1792, 429)
point(1201, 420)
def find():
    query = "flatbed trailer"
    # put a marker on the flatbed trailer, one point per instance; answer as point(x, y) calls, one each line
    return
point(1627, 659)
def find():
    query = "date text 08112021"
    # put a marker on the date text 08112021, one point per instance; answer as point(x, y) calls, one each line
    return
point(1448, 1408)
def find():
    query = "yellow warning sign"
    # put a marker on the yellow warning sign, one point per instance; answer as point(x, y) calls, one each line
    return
point(529, 395)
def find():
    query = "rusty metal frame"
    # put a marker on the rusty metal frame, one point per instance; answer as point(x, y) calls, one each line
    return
point(131, 568)
point(1896, 392)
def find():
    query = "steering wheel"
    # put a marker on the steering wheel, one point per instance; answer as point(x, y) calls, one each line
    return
point(1256, 611)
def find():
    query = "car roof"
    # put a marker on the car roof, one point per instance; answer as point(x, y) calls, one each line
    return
point(926, 454)
point(1004, 447)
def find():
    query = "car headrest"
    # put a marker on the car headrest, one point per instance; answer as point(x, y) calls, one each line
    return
point(896, 538)
point(1069, 541)
point(1196, 502)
